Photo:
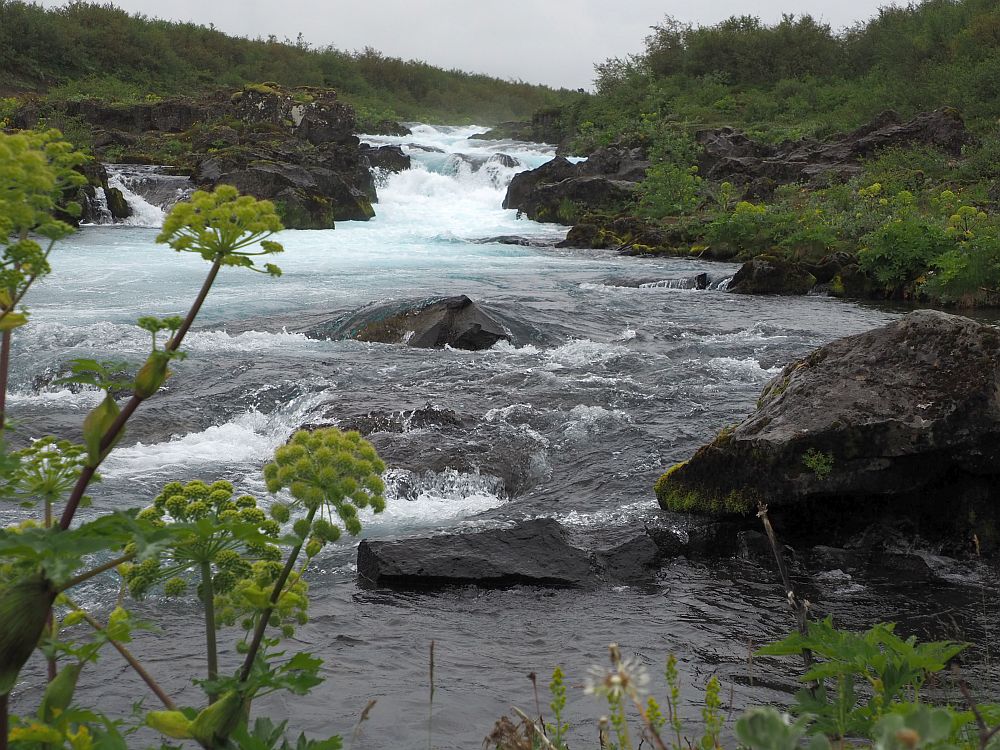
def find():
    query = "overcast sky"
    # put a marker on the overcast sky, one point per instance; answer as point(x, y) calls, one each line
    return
point(541, 41)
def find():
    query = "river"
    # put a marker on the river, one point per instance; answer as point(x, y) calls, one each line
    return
point(617, 378)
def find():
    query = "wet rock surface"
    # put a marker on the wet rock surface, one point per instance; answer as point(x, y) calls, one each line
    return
point(534, 552)
point(606, 180)
point(449, 321)
point(899, 423)
point(768, 274)
point(294, 146)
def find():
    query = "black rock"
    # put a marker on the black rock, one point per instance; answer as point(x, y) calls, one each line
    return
point(453, 321)
point(728, 154)
point(898, 423)
point(769, 274)
point(534, 552)
point(389, 158)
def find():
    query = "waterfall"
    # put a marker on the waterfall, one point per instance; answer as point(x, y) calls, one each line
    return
point(149, 190)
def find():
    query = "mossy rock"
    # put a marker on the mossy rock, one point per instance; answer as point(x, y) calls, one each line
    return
point(902, 422)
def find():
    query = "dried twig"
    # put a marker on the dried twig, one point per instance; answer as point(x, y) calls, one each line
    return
point(985, 733)
point(799, 607)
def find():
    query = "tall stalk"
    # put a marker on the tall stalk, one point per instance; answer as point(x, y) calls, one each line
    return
point(4, 375)
point(115, 430)
point(265, 616)
point(208, 601)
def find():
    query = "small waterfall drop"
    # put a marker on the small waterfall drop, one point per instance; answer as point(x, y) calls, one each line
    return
point(149, 190)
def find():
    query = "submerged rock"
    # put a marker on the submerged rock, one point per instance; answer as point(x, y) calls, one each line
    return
point(449, 321)
point(902, 422)
point(534, 552)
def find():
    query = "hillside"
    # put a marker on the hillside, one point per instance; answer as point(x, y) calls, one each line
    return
point(86, 49)
point(801, 77)
point(865, 163)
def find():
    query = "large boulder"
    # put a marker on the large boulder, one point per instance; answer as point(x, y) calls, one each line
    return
point(534, 552)
point(564, 202)
point(902, 422)
point(768, 274)
point(432, 323)
point(387, 158)
point(523, 183)
point(560, 191)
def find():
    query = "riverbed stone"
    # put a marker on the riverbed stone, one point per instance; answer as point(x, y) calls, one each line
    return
point(536, 552)
point(432, 323)
point(902, 422)
point(769, 274)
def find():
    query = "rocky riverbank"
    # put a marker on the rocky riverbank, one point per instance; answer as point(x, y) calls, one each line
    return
point(800, 214)
point(297, 147)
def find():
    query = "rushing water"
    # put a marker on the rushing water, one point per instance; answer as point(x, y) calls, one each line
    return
point(621, 373)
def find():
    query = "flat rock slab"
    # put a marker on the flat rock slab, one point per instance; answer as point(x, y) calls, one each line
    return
point(534, 553)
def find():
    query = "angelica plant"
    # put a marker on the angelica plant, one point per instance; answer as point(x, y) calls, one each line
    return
point(39, 562)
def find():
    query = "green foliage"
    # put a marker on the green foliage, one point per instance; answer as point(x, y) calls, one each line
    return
point(95, 50)
point(799, 77)
point(558, 728)
point(768, 729)
point(750, 228)
point(221, 225)
point(335, 473)
point(894, 670)
point(900, 251)
point(819, 463)
point(36, 169)
point(669, 190)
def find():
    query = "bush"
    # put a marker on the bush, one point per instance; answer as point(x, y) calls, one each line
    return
point(900, 252)
point(669, 190)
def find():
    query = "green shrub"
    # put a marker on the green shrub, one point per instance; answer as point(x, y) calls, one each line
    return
point(669, 190)
point(901, 251)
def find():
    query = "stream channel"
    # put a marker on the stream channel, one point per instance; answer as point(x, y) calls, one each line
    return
point(619, 372)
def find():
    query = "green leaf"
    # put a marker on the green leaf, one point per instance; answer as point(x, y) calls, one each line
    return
point(95, 427)
point(12, 320)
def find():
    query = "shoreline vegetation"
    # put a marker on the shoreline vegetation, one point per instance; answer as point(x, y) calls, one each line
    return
point(735, 129)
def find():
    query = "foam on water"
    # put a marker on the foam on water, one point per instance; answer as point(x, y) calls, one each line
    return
point(584, 353)
point(585, 421)
point(431, 500)
point(144, 213)
point(250, 438)
point(62, 398)
point(733, 368)
point(612, 517)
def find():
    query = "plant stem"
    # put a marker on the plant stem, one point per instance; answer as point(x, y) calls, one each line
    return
point(797, 605)
point(110, 565)
point(258, 633)
point(115, 430)
point(132, 661)
point(4, 374)
point(208, 600)
point(4, 720)
point(53, 667)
